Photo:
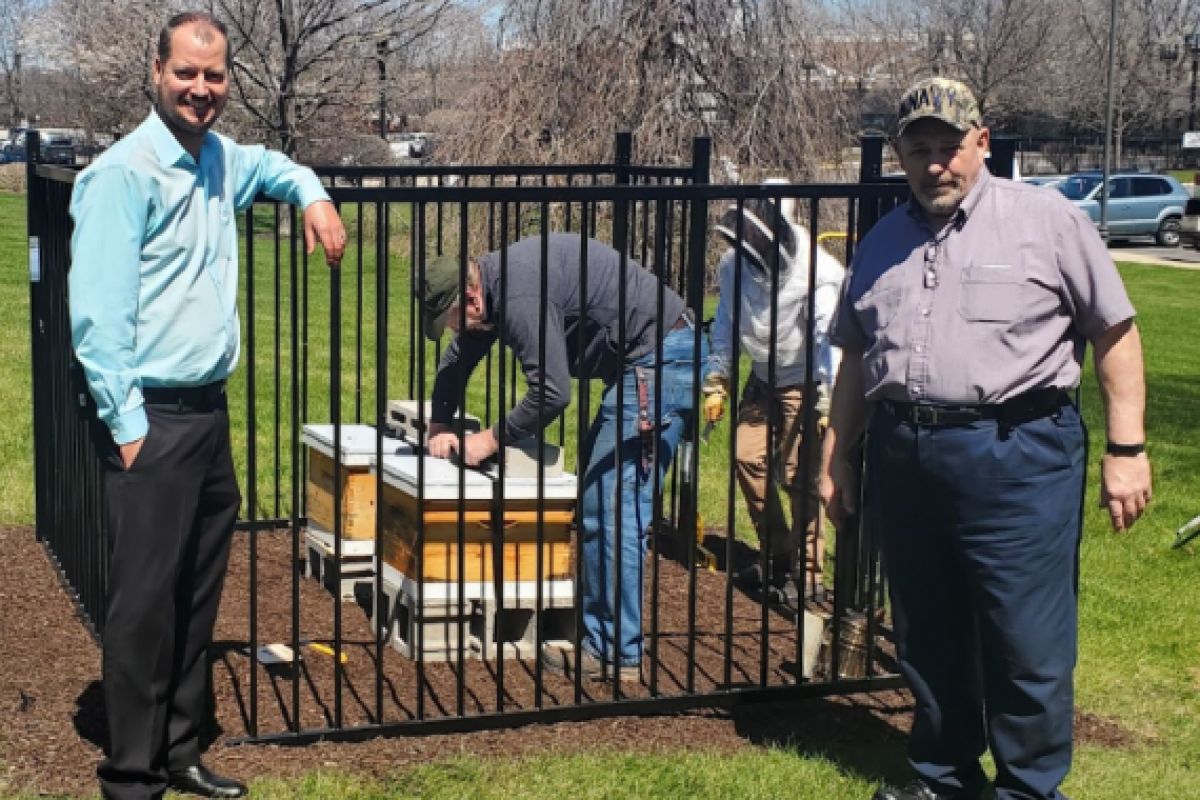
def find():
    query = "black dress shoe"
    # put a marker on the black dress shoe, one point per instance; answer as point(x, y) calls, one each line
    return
point(198, 780)
point(917, 790)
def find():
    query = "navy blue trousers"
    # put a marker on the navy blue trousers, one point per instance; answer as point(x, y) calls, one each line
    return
point(980, 528)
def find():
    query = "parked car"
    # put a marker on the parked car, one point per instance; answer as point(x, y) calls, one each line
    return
point(11, 153)
point(1139, 204)
point(412, 145)
point(1049, 181)
point(1189, 226)
point(58, 150)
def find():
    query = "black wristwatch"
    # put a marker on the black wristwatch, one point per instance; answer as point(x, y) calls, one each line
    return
point(1114, 449)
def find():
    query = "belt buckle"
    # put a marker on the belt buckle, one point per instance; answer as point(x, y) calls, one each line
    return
point(925, 415)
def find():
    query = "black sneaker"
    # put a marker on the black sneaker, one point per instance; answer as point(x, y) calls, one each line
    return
point(750, 577)
point(917, 790)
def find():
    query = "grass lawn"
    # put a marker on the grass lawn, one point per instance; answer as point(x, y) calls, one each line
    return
point(1139, 654)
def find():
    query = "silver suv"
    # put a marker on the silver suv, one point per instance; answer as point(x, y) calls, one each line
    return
point(1139, 204)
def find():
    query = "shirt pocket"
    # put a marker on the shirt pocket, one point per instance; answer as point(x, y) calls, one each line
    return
point(991, 292)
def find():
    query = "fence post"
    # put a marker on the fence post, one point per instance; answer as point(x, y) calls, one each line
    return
point(693, 277)
point(870, 170)
point(1004, 151)
point(623, 157)
point(870, 164)
point(35, 213)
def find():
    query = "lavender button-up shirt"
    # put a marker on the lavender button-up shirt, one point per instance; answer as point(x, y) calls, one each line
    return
point(1001, 301)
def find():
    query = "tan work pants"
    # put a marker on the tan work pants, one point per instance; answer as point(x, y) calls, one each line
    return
point(785, 406)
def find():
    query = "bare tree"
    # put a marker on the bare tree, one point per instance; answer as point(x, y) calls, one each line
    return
point(567, 74)
point(300, 65)
point(19, 41)
point(1142, 93)
point(105, 51)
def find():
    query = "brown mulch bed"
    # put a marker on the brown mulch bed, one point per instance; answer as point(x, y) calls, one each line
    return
point(52, 716)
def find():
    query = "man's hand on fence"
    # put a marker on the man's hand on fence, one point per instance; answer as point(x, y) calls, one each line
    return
point(323, 225)
point(715, 389)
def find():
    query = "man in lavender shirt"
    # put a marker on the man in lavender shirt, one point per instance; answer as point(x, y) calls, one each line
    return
point(963, 324)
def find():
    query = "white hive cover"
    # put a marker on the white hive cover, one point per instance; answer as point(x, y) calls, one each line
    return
point(442, 480)
point(357, 445)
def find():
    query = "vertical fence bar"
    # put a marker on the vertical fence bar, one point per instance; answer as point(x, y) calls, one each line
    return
point(294, 319)
point(621, 244)
point(583, 450)
point(379, 606)
point(501, 441)
point(252, 463)
point(335, 412)
point(697, 242)
point(735, 378)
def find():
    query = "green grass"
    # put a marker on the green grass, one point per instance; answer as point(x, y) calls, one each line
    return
point(1139, 659)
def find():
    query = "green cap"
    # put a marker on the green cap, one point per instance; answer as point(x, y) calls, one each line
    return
point(939, 98)
point(439, 293)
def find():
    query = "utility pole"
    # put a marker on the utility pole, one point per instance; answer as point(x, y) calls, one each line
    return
point(381, 48)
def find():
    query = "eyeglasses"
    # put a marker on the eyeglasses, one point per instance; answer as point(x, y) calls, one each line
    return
point(931, 277)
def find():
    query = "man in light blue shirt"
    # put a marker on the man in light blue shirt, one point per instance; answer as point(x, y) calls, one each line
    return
point(153, 299)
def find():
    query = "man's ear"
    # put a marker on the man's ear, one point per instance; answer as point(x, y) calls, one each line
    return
point(985, 137)
point(156, 71)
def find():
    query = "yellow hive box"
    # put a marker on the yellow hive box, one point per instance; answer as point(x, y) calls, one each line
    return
point(440, 553)
point(357, 450)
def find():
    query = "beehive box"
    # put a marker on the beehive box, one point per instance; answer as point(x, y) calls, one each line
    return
point(403, 510)
point(357, 453)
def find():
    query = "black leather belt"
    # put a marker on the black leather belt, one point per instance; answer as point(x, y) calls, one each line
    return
point(1031, 405)
point(196, 398)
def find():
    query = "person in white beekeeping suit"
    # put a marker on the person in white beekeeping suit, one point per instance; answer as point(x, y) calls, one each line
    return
point(768, 228)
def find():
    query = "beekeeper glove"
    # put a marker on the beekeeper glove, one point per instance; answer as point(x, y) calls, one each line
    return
point(715, 388)
point(824, 391)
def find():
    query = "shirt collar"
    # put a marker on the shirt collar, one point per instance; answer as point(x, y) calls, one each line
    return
point(168, 149)
point(965, 209)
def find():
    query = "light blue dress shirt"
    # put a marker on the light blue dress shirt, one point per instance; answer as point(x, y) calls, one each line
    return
point(154, 263)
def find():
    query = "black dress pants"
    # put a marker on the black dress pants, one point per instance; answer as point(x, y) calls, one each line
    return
point(170, 517)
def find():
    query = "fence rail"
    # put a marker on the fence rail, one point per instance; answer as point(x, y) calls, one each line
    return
point(336, 346)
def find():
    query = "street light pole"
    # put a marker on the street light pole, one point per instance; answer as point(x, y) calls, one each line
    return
point(381, 52)
point(1108, 115)
point(1192, 42)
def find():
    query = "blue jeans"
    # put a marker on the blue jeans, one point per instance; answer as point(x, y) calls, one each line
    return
point(605, 534)
point(980, 530)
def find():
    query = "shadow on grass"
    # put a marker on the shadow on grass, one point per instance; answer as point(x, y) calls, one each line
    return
point(864, 736)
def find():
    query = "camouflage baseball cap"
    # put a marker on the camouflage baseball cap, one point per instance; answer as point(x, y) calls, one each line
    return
point(438, 293)
point(939, 98)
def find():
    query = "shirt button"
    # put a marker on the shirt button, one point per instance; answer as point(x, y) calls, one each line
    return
point(924, 312)
point(916, 390)
point(920, 348)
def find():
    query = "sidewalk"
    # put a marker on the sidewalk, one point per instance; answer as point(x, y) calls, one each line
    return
point(1177, 257)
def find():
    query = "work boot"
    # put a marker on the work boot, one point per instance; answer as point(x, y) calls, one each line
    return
point(561, 660)
point(916, 790)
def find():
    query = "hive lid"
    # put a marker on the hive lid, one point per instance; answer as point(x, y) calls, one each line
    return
point(357, 445)
point(442, 476)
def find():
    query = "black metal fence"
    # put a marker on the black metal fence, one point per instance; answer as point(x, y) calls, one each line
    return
point(335, 347)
